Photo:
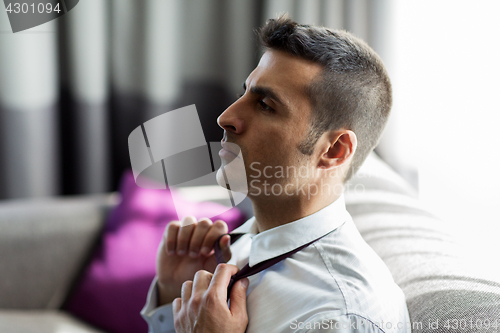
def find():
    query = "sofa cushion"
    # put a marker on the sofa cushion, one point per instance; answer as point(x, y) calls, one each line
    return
point(443, 284)
point(40, 321)
point(43, 246)
point(114, 287)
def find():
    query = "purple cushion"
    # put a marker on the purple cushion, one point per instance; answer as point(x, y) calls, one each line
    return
point(113, 289)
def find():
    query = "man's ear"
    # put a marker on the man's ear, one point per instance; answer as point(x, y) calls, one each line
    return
point(341, 148)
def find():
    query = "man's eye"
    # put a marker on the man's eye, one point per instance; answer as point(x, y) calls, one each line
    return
point(265, 107)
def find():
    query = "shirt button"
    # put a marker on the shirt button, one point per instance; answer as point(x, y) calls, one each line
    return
point(161, 318)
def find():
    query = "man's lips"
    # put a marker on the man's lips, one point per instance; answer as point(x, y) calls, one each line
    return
point(228, 150)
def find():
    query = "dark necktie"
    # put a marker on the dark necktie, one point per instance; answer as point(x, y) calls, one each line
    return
point(249, 271)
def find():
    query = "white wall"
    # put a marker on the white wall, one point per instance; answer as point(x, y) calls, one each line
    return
point(447, 88)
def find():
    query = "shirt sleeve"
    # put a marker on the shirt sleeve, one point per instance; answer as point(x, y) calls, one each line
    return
point(159, 319)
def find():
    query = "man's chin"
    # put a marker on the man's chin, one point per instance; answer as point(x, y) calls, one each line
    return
point(220, 178)
point(233, 185)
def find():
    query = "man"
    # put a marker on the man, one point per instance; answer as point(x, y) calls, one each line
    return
point(312, 111)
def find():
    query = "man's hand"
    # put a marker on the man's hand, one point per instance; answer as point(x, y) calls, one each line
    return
point(203, 306)
point(186, 248)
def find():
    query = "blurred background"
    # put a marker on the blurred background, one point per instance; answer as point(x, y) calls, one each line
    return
point(73, 89)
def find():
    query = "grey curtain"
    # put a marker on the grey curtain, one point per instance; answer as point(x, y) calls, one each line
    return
point(73, 89)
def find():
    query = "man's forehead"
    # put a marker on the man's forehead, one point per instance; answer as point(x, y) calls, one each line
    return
point(285, 72)
point(275, 57)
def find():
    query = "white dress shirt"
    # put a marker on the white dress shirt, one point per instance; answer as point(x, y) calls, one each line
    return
point(337, 284)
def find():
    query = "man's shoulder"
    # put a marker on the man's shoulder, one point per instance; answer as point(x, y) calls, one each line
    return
point(346, 253)
point(339, 278)
point(365, 282)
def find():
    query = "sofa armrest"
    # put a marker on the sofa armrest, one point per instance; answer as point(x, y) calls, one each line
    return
point(43, 246)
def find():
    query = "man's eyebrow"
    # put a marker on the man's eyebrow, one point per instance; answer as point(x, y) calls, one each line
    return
point(265, 91)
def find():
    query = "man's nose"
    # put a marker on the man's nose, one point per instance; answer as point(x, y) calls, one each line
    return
point(230, 120)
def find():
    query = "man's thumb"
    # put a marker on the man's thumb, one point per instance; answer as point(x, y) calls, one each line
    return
point(238, 297)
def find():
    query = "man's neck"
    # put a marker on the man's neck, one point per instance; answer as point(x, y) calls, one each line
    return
point(271, 212)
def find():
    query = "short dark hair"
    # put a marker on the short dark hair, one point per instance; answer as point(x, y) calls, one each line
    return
point(353, 91)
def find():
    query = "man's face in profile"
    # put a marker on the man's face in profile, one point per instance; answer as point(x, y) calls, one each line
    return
point(269, 121)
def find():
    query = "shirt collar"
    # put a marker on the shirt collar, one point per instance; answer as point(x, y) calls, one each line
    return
point(284, 238)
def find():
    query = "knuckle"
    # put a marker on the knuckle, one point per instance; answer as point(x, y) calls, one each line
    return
point(199, 274)
point(206, 302)
point(195, 300)
point(172, 227)
point(188, 220)
point(202, 274)
point(220, 225)
point(173, 224)
point(221, 267)
point(244, 318)
point(204, 223)
point(176, 304)
point(186, 229)
point(211, 297)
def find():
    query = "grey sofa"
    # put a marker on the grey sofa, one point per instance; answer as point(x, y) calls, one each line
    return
point(44, 245)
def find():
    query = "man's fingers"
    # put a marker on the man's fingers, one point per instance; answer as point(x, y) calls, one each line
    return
point(186, 291)
point(238, 305)
point(184, 236)
point(176, 305)
point(224, 244)
point(221, 278)
point(198, 236)
point(170, 237)
point(218, 228)
point(201, 282)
